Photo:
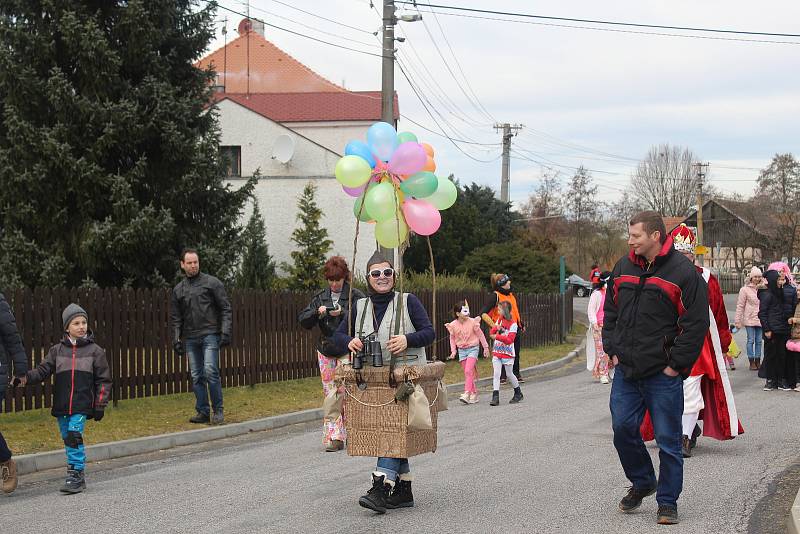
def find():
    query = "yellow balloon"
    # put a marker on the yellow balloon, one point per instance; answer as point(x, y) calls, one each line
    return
point(391, 232)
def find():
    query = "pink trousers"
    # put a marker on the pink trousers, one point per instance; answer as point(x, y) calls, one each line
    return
point(470, 374)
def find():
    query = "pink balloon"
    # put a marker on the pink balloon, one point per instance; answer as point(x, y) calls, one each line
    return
point(409, 158)
point(422, 217)
point(355, 191)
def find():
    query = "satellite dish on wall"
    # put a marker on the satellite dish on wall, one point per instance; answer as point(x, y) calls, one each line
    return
point(283, 149)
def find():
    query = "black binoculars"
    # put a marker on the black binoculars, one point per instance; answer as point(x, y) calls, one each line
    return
point(371, 348)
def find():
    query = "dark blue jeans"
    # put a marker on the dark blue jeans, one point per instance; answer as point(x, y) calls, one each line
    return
point(393, 467)
point(662, 396)
point(204, 363)
point(5, 452)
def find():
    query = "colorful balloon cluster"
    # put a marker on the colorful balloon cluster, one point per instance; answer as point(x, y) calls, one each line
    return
point(392, 177)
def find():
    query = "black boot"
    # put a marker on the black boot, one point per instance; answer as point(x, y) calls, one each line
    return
point(401, 496)
point(686, 447)
point(495, 398)
point(517, 396)
point(375, 499)
point(74, 483)
point(695, 434)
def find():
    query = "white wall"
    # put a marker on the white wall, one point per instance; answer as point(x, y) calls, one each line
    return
point(333, 135)
point(280, 185)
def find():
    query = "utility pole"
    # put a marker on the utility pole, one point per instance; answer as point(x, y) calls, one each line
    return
point(509, 131)
point(387, 77)
point(701, 170)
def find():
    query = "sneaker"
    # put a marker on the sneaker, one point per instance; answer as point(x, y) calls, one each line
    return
point(401, 496)
point(667, 515)
point(375, 499)
point(200, 418)
point(464, 397)
point(335, 445)
point(8, 475)
point(503, 380)
point(797, 388)
point(686, 446)
point(633, 499)
point(604, 379)
point(473, 399)
point(218, 418)
point(74, 483)
point(770, 386)
point(521, 379)
point(784, 386)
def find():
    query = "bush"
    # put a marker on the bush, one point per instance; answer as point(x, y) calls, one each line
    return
point(530, 271)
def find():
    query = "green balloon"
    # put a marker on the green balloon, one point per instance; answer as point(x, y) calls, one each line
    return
point(405, 137)
point(352, 171)
point(445, 195)
point(391, 232)
point(381, 201)
point(420, 185)
point(361, 213)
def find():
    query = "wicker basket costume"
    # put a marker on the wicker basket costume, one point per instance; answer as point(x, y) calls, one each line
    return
point(377, 425)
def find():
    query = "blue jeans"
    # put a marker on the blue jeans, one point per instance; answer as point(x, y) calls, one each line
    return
point(392, 467)
point(5, 452)
point(662, 396)
point(71, 427)
point(754, 341)
point(204, 363)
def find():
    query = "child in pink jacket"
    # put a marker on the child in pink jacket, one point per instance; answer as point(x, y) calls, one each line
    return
point(465, 336)
point(504, 333)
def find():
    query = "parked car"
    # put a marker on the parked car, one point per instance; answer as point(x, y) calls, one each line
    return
point(581, 287)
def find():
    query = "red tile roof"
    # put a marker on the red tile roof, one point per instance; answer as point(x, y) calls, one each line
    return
point(311, 107)
point(271, 70)
point(672, 222)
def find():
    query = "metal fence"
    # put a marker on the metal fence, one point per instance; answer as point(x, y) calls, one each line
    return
point(268, 344)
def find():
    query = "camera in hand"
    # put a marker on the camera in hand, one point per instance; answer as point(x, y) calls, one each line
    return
point(371, 348)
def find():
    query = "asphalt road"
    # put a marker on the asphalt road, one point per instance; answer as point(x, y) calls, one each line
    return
point(545, 465)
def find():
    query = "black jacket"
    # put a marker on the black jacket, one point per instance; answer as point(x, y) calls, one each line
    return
point(199, 307)
point(309, 317)
point(656, 314)
point(775, 305)
point(11, 349)
point(83, 377)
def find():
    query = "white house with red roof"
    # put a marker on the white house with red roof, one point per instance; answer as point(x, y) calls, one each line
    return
point(280, 118)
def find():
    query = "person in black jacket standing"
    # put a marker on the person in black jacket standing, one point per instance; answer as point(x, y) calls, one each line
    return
point(656, 319)
point(13, 361)
point(776, 306)
point(201, 315)
point(326, 310)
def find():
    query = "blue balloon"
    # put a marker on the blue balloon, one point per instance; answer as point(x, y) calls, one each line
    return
point(359, 148)
point(382, 140)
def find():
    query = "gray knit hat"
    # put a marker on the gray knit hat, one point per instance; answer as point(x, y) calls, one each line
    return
point(377, 258)
point(70, 312)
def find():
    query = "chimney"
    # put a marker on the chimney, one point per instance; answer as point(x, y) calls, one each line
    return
point(255, 26)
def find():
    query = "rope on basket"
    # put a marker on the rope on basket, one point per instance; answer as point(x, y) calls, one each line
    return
point(362, 403)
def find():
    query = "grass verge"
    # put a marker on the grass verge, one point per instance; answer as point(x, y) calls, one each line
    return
point(36, 430)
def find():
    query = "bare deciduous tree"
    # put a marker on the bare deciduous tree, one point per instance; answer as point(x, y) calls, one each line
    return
point(665, 180)
point(779, 186)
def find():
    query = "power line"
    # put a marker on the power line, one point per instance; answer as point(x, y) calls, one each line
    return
point(220, 6)
point(605, 22)
point(312, 27)
point(362, 30)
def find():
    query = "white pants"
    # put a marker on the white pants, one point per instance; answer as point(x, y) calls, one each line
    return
point(692, 403)
point(497, 365)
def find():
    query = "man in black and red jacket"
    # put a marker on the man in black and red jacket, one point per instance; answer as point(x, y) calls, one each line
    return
point(656, 319)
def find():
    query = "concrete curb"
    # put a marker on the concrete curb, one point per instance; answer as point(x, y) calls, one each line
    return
point(793, 521)
point(31, 463)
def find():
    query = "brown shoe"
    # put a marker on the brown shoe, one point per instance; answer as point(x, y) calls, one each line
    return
point(753, 365)
point(8, 475)
point(335, 445)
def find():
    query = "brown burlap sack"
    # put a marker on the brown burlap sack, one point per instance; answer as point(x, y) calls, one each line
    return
point(376, 424)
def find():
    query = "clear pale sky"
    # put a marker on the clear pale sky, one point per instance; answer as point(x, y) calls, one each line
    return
point(585, 96)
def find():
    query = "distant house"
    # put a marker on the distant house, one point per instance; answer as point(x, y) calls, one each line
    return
point(736, 237)
point(280, 118)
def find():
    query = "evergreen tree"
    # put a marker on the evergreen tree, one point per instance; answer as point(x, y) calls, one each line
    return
point(109, 158)
point(257, 269)
point(312, 242)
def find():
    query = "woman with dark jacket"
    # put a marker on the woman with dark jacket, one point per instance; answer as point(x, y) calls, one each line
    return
point(326, 310)
point(13, 362)
point(776, 306)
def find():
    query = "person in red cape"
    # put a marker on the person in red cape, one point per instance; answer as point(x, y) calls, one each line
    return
point(707, 392)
